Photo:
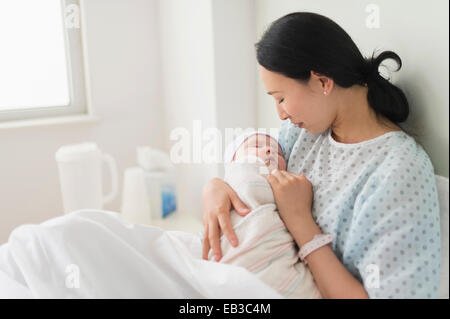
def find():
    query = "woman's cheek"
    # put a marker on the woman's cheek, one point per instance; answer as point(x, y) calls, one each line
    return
point(300, 106)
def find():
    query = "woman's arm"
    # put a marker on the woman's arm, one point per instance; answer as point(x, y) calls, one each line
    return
point(293, 195)
point(393, 241)
point(332, 278)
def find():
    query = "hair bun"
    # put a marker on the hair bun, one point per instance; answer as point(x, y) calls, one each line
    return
point(370, 70)
point(372, 64)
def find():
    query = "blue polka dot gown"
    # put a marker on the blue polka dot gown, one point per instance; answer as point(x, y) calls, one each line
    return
point(379, 200)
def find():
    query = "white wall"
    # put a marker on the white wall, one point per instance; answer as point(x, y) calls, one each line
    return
point(235, 63)
point(155, 65)
point(187, 61)
point(122, 54)
point(416, 30)
point(208, 75)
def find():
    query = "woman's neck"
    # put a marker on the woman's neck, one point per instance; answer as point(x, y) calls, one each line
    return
point(356, 121)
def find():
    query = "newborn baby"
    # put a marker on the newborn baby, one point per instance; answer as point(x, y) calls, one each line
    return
point(265, 248)
point(259, 145)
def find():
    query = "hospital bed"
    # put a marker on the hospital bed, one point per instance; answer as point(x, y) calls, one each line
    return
point(97, 254)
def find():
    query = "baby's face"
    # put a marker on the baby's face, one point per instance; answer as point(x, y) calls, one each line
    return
point(264, 147)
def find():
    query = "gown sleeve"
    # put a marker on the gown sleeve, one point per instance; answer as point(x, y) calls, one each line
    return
point(394, 240)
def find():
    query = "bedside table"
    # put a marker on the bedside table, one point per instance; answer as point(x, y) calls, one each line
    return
point(180, 222)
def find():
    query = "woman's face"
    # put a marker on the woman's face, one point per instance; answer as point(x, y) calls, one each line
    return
point(301, 103)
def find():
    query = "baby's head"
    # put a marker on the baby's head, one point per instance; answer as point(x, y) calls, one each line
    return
point(262, 146)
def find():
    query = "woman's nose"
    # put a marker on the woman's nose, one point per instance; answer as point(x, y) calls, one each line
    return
point(281, 113)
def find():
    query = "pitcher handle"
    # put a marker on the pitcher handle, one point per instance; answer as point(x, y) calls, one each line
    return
point(111, 162)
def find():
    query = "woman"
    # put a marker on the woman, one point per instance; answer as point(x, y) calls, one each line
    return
point(373, 186)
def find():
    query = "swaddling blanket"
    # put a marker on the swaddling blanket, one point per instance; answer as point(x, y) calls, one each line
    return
point(265, 248)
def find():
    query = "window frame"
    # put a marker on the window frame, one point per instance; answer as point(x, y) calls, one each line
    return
point(77, 72)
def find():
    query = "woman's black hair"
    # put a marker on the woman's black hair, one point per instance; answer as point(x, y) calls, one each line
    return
point(300, 42)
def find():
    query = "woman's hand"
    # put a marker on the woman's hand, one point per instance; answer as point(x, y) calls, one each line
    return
point(218, 199)
point(293, 196)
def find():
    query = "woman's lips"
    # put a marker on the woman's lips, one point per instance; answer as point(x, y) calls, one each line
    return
point(300, 124)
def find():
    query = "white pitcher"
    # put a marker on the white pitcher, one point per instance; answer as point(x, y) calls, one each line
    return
point(80, 175)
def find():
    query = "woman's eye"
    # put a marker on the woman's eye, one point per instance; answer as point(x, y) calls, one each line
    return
point(281, 101)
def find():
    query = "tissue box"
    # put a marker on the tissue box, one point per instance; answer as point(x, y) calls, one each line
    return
point(161, 191)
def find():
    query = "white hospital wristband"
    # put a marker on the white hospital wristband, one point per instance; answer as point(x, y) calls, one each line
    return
point(317, 242)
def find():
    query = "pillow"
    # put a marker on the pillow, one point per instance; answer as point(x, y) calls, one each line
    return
point(442, 188)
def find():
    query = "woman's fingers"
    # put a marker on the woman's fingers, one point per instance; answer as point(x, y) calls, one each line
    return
point(218, 198)
point(214, 238)
point(275, 177)
point(282, 177)
point(206, 246)
point(273, 181)
point(288, 176)
point(227, 229)
point(237, 204)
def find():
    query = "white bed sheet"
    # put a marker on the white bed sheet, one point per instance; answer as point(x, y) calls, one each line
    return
point(98, 254)
point(443, 194)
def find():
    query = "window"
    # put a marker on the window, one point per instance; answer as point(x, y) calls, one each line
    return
point(41, 59)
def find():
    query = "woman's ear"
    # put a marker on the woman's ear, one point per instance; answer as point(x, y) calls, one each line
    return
point(325, 84)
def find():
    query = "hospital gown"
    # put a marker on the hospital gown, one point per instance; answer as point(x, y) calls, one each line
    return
point(379, 200)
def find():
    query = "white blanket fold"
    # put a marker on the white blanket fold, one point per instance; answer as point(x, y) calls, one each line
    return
point(97, 254)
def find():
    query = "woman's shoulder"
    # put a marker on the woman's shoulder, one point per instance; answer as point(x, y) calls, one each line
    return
point(406, 160)
point(406, 152)
point(403, 183)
